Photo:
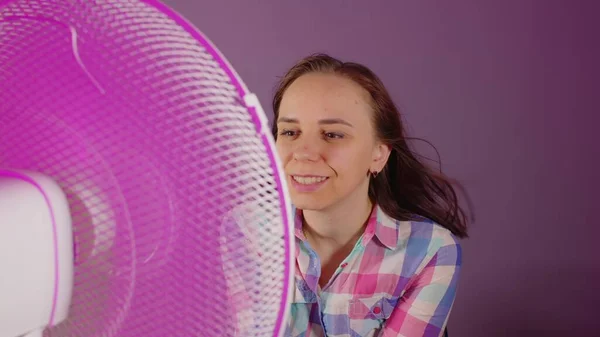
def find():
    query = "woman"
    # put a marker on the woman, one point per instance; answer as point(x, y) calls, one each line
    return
point(376, 229)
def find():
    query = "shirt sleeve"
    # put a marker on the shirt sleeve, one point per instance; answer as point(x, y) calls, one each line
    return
point(232, 251)
point(424, 308)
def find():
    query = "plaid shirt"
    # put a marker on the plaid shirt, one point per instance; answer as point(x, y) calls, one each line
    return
point(399, 280)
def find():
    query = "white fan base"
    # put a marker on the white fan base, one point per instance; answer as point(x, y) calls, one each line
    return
point(36, 254)
point(35, 333)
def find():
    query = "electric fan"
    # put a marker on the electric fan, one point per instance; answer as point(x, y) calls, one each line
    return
point(139, 190)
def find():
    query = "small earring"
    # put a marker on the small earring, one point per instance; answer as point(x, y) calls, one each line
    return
point(374, 174)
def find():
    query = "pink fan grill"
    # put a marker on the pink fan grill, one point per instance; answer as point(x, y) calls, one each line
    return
point(139, 190)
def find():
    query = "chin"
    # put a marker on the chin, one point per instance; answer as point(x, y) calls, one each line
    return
point(308, 203)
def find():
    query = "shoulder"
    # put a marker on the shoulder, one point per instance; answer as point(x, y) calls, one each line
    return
point(429, 241)
point(237, 220)
point(437, 235)
point(251, 219)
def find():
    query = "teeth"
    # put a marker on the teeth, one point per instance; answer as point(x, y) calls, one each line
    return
point(308, 180)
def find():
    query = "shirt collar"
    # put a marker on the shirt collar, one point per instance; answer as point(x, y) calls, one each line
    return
point(380, 226)
point(298, 223)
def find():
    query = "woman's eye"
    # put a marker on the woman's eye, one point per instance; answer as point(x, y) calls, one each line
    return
point(288, 133)
point(333, 135)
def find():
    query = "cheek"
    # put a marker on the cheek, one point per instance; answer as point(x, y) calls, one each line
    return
point(348, 159)
point(282, 151)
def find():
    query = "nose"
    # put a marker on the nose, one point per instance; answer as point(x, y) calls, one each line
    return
point(306, 149)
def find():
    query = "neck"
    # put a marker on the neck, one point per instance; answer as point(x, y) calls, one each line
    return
point(339, 224)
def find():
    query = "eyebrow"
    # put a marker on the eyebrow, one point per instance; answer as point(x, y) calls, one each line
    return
point(326, 121)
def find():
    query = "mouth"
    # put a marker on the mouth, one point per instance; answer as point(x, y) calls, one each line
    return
point(308, 180)
point(308, 184)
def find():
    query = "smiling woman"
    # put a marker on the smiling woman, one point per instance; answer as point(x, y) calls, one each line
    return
point(376, 229)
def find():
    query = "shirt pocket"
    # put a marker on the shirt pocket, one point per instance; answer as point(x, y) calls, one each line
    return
point(367, 314)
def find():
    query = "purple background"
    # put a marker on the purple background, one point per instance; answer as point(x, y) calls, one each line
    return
point(504, 90)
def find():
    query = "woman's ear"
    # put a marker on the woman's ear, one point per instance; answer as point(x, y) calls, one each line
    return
point(381, 153)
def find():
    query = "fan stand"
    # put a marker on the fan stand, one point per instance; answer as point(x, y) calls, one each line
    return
point(35, 333)
point(36, 252)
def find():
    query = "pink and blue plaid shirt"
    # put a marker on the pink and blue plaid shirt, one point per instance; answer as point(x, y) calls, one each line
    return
point(399, 280)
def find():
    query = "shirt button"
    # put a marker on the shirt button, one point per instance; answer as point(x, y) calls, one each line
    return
point(376, 310)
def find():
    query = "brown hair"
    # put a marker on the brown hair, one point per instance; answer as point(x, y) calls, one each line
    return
point(406, 189)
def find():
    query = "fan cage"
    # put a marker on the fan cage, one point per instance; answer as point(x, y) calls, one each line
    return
point(182, 224)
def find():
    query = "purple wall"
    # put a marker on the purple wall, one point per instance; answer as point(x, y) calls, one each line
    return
point(504, 90)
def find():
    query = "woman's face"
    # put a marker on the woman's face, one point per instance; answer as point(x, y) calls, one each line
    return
point(326, 141)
